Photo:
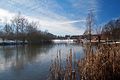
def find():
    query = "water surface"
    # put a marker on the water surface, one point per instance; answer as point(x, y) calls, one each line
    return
point(32, 62)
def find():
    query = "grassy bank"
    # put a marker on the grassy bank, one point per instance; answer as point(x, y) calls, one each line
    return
point(101, 63)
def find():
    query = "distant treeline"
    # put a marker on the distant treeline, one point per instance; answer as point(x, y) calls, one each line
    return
point(20, 29)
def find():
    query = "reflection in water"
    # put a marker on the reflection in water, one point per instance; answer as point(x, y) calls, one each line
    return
point(17, 56)
point(31, 62)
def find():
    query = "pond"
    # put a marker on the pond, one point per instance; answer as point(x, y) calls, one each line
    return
point(32, 62)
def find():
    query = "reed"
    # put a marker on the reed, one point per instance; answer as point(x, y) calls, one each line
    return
point(102, 63)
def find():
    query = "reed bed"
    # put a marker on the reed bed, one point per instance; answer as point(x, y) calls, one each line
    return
point(102, 63)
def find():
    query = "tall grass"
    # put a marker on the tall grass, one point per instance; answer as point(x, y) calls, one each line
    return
point(102, 63)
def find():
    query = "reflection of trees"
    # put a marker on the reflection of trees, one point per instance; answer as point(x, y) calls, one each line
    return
point(19, 56)
point(6, 52)
point(34, 50)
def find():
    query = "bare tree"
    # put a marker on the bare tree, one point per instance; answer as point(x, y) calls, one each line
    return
point(8, 31)
point(22, 28)
point(16, 24)
point(99, 32)
point(20, 23)
point(31, 31)
point(112, 30)
point(89, 24)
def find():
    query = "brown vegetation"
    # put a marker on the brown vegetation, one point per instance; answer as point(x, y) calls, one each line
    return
point(102, 63)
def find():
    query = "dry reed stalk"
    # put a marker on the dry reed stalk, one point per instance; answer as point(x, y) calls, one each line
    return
point(103, 63)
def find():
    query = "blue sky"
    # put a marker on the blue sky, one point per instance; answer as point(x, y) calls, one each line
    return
point(110, 9)
point(60, 17)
